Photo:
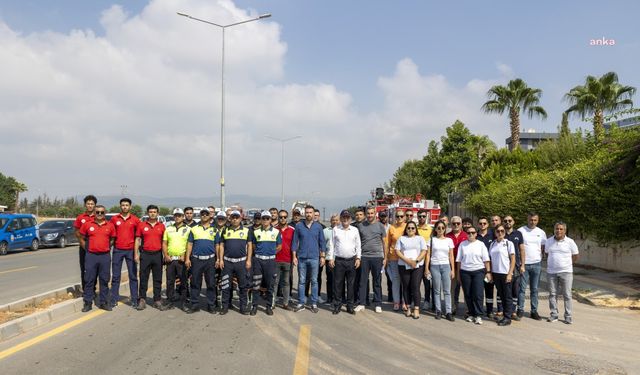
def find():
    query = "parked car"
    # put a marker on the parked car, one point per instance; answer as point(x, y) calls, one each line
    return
point(58, 233)
point(168, 220)
point(18, 231)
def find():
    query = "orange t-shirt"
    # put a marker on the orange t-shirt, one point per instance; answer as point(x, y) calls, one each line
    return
point(395, 232)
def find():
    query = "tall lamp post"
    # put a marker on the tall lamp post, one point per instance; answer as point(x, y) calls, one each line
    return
point(282, 142)
point(223, 27)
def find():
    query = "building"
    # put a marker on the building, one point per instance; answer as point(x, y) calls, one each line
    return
point(624, 123)
point(530, 139)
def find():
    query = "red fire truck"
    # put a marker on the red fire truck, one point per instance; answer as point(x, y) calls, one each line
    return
point(390, 202)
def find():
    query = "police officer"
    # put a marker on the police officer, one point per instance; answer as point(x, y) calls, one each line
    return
point(235, 254)
point(174, 249)
point(267, 242)
point(188, 217)
point(221, 223)
point(203, 260)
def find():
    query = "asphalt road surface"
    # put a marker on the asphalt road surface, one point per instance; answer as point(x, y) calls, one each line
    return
point(601, 341)
point(27, 273)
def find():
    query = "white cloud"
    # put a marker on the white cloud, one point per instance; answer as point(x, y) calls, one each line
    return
point(141, 106)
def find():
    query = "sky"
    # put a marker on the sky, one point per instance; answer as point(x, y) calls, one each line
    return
point(99, 94)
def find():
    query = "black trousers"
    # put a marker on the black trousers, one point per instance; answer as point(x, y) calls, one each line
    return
point(151, 262)
point(373, 266)
point(473, 287)
point(82, 256)
point(344, 274)
point(488, 295)
point(504, 293)
point(263, 270)
point(515, 290)
point(203, 268)
point(230, 270)
point(176, 271)
point(428, 292)
point(410, 279)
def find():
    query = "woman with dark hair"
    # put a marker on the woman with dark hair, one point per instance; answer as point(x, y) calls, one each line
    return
point(441, 267)
point(473, 265)
point(411, 250)
point(503, 261)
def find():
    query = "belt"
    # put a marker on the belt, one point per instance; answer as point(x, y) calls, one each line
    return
point(265, 257)
point(98, 253)
point(341, 258)
point(204, 257)
point(235, 260)
point(176, 257)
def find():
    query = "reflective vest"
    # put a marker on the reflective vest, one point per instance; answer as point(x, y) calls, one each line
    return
point(177, 239)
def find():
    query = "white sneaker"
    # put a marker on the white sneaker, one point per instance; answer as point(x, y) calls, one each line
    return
point(478, 320)
point(359, 308)
point(378, 309)
point(469, 319)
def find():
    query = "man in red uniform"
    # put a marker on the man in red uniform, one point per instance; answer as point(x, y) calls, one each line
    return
point(97, 236)
point(87, 216)
point(148, 252)
point(283, 260)
point(125, 223)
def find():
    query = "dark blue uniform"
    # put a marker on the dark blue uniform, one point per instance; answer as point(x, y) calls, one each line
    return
point(234, 242)
point(265, 242)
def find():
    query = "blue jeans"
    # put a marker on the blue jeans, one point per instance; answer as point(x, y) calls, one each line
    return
point(441, 280)
point(394, 274)
point(530, 276)
point(116, 270)
point(310, 267)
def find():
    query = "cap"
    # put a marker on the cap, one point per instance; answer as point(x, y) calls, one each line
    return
point(297, 210)
point(221, 214)
point(383, 214)
point(257, 215)
point(235, 213)
point(204, 211)
point(345, 213)
point(266, 214)
point(178, 211)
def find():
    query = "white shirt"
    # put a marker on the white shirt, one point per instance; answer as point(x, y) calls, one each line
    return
point(411, 247)
point(440, 249)
point(533, 240)
point(472, 255)
point(344, 243)
point(560, 253)
point(499, 253)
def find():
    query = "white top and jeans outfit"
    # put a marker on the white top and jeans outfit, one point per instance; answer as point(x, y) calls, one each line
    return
point(472, 255)
point(560, 274)
point(440, 269)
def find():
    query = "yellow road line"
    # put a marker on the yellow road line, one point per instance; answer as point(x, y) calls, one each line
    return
point(18, 269)
point(302, 353)
point(6, 353)
point(557, 346)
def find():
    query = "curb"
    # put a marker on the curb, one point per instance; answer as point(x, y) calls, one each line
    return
point(56, 312)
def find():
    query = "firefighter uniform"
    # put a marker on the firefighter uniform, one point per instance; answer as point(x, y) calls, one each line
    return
point(176, 238)
point(235, 256)
point(265, 242)
point(203, 264)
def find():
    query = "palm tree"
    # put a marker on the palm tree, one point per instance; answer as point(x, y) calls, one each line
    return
point(597, 96)
point(515, 97)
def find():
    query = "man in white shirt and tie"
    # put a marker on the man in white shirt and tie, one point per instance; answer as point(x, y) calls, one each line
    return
point(344, 255)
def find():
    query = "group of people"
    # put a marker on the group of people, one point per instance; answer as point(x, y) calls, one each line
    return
point(354, 252)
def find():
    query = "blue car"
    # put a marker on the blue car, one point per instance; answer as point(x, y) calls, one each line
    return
point(18, 231)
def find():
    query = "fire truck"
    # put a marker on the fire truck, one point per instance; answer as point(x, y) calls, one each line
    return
point(391, 202)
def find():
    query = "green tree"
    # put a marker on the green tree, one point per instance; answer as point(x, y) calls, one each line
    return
point(136, 209)
point(564, 125)
point(515, 97)
point(114, 209)
point(10, 190)
point(164, 210)
point(597, 96)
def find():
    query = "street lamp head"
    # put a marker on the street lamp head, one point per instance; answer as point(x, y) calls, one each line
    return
point(266, 15)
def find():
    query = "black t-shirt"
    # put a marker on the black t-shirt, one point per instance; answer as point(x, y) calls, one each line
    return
point(516, 238)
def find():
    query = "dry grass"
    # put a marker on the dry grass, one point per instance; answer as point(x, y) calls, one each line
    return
point(6, 316)
point(630, 303)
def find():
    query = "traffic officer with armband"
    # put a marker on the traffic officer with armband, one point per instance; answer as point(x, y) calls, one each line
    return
point(235, 255)
point(174, 249)
point(202, 259)
point(266, 241)
point(97, 237)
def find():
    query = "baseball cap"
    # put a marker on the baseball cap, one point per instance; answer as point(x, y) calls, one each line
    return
point(204, 211)
point(257, 216)
point(297, 210)
point(345, 213)
point(265, 214)
point(383, 214)
point(221, 214)
point(235, 213)
point(178, 211)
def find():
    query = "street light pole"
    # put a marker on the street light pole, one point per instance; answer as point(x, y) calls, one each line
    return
point(222, 118)
point(282, 142)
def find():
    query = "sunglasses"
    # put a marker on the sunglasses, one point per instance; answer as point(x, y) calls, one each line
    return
point(283, 217)
point(399, 216)
point(411, 228)
point(422, 216)
point(508, 221)
point(100, 212)
point(456, 223)
point(500, 231)
point(205, 214)
point(474, 232)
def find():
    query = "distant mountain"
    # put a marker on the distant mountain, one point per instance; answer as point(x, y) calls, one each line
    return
point(331, 205)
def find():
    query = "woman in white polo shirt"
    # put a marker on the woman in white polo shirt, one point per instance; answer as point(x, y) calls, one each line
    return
point(562, 252)
point(411, 249)
point(441, 266)
point(473, 269)
point(503, 261)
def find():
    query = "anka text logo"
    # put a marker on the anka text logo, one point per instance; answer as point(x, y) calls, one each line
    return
point(602, 42)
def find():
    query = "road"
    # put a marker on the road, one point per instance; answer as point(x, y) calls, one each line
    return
point(154, 342)
point(27, 273)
